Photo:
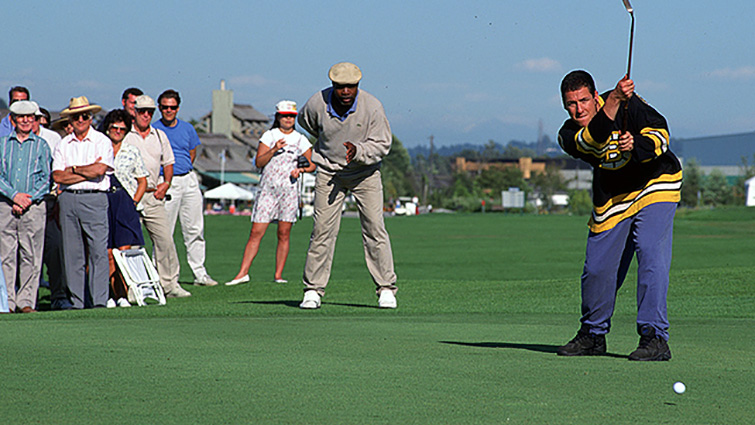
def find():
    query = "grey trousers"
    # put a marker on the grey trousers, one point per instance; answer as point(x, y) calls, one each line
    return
point(84, 227)
point(22, 241)
point(155, 220)
point(330, 192)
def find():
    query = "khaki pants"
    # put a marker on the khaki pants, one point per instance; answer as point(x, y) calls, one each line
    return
point(330, 192)
point(21, 246)
point(155, 220)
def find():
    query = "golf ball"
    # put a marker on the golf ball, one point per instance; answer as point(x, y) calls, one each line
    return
point(679, 387)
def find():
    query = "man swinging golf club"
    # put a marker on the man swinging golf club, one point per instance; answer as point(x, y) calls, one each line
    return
point(636, 185)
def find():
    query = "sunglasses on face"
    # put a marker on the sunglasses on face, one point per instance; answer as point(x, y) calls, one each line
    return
point(117, 128)
point(145, 111)
point(169, 107)
point(85, 116)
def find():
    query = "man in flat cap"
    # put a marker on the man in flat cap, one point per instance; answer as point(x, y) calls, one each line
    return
point(24, 181)
point(14, 95)
point(79, 165)
point(353, 136)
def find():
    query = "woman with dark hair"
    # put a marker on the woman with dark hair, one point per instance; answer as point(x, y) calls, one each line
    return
point(128, 183)
point(277, 197)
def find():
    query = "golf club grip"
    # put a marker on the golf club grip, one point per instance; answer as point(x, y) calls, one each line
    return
point(624, 117)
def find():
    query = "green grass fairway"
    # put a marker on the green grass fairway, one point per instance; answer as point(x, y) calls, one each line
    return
point(484, 301)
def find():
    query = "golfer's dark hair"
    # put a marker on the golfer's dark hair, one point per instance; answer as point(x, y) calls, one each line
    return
point(114, 116)
point(169, 94)
point(17, 89)
point(129, 91)
point(575, 80)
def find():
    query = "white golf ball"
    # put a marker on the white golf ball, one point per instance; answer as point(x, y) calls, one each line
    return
point(680, 388)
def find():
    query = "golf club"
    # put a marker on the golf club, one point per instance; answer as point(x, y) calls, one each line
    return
point(625, 114)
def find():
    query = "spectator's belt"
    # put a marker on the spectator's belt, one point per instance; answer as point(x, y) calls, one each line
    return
point(179, 175)
point(83, 191)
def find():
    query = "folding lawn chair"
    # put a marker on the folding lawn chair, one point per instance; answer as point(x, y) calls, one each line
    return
point(140, 275)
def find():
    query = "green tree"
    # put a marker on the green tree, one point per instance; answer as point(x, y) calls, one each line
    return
point(498, 180)
point(580, 202)
point(397, 172)
point(692, 184)
point(716, 190)
point(547, 184)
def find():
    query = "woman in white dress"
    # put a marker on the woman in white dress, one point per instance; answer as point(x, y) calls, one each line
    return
point(277, 196)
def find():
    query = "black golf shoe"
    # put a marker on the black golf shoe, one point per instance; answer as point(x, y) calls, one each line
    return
point(651, 347)
point(584, 344)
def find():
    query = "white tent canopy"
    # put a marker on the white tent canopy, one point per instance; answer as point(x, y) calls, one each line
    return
point(750, 192)
point(229, 191)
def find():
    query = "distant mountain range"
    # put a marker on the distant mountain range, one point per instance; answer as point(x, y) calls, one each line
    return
point(545, 148)
point(727, 150)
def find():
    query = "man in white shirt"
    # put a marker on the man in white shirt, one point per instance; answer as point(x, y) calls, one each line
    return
point(156, 152)
point(80, 164)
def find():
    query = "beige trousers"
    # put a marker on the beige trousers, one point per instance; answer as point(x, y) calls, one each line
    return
point(330, 192)
point(21, 246)
point(155, 220)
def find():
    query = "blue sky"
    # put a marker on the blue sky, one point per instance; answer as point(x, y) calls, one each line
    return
point(462, 71)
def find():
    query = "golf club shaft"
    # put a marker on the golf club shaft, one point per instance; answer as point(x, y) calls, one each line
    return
point(625, 112)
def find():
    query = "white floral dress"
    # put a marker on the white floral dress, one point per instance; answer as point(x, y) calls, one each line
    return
point(277, 196)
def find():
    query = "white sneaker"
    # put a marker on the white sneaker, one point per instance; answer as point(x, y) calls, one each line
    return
point(311, 300)
point(110, 303)
point(280, 281)
point(387, 299)
point(206, 280)
point(242, 279)
point(177, 292)
point(122, 302)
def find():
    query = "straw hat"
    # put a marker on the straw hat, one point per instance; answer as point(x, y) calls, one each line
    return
point(79, 105)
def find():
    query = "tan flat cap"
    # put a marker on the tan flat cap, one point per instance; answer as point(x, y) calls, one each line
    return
point(345, 73)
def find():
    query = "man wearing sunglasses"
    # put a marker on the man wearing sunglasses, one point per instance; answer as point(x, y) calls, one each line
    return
point(185, 200)
point(79, 165)
point(156, 152)
point(24, 181)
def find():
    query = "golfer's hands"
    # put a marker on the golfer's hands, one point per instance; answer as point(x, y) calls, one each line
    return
point(351, 151)
point(624, 89)
point(626, 142)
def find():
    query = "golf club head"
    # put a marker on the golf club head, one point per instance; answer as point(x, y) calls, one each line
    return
point(628, 6)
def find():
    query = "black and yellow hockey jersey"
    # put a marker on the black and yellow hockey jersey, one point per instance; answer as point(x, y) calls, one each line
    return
point(625, 182)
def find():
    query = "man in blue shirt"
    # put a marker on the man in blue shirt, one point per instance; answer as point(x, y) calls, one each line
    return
point(185, 197)
point(24, 181)
point(16, 93)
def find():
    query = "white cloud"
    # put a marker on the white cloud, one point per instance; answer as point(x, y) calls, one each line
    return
point(540, 65)
point(741, 73)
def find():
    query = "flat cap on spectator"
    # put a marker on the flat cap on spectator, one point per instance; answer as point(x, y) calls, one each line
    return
point(345, 73)
point(23, 107)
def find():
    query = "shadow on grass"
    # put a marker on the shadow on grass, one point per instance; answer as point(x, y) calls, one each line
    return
point(540, 348)
point(295, 303)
